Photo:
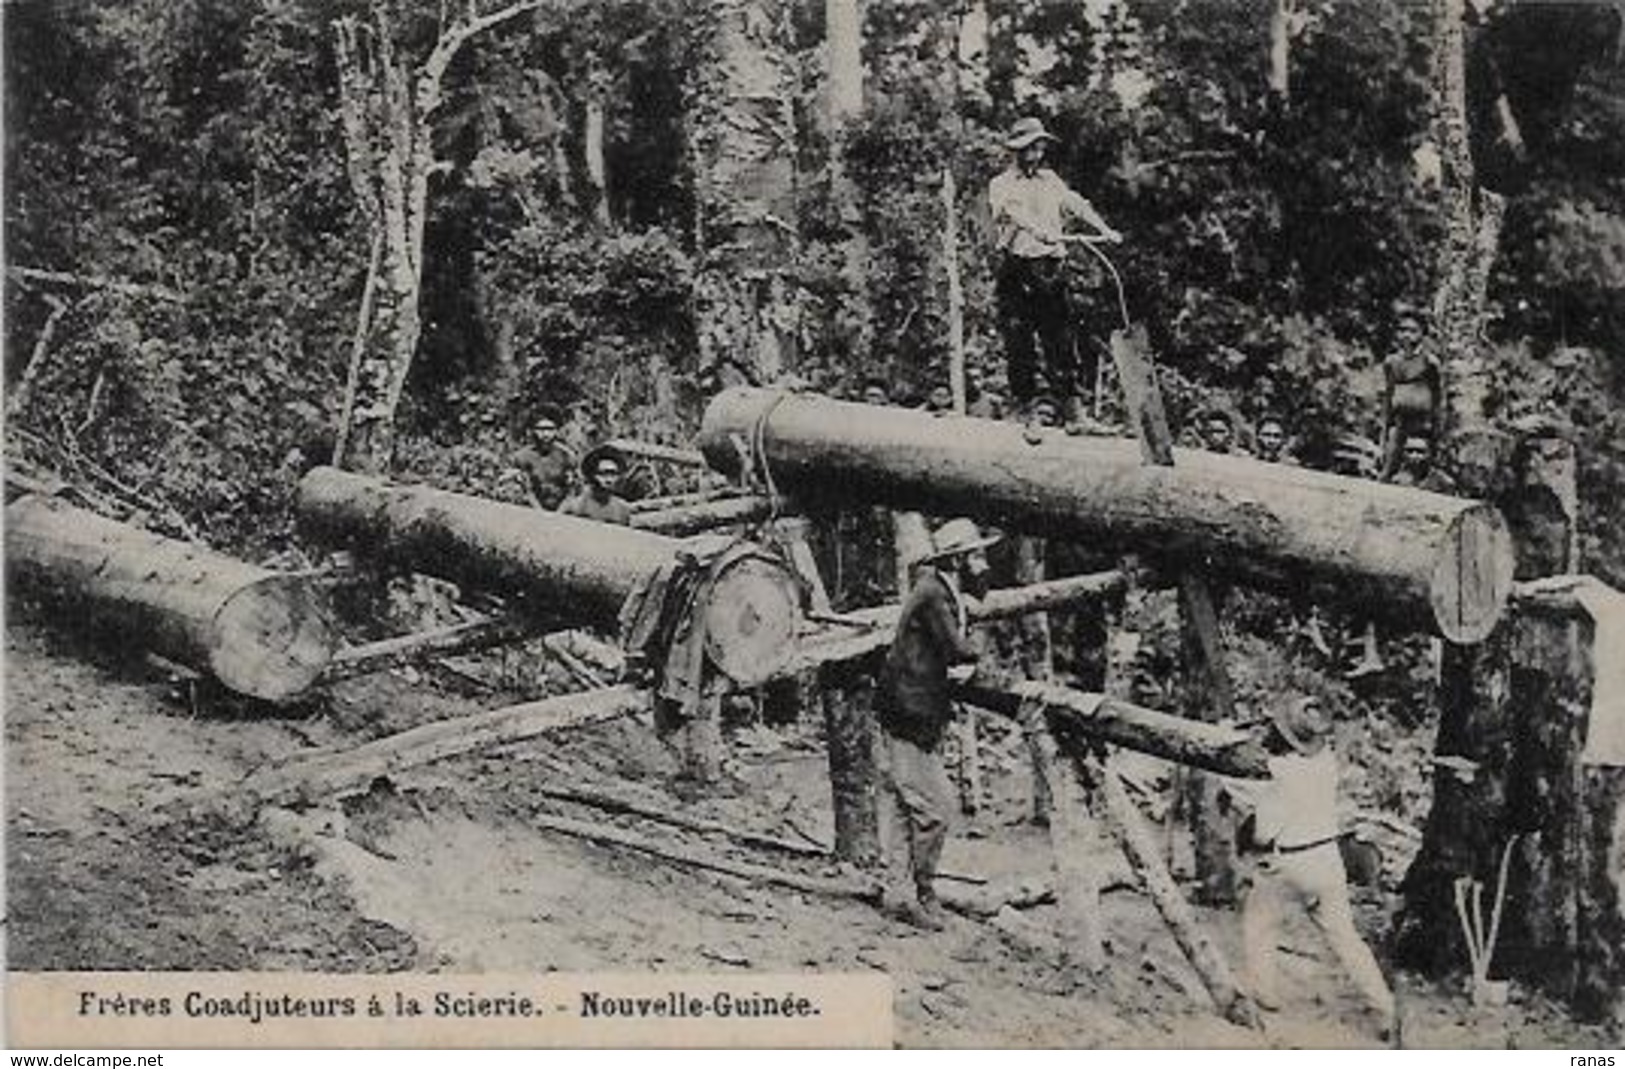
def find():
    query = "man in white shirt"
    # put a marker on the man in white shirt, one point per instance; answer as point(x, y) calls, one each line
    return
point(1031, 206)
point(1294, 828)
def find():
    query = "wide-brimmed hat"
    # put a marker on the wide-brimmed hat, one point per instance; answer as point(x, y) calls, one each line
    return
point(1300, 724)
point(958, 537)
point(1025, 132)
point(597, 455)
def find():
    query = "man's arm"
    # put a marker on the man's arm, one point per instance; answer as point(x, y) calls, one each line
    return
point(943, 626)
point(1077, 206)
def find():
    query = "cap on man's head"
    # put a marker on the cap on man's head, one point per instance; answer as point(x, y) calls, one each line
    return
point(1026, 132)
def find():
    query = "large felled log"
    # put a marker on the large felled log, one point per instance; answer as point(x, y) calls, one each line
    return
point(548, 563)
point(261, 633)
point(1422, 559)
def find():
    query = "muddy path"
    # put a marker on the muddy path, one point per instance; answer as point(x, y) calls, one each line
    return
point(446, 871)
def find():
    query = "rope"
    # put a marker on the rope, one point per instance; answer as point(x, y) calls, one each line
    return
point(758, 455)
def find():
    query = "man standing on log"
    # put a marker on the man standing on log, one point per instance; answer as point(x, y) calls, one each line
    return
point(602, 469)
point(1294, 828)
point(930, 649)
point(1031, 206)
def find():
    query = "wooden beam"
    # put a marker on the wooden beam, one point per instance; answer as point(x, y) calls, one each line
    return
point(1075, 716)
point(1128, 828)
point(688, 458)
point(385, 654)
point(314, 776)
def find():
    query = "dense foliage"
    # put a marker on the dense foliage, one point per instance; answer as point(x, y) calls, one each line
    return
point(191, 149)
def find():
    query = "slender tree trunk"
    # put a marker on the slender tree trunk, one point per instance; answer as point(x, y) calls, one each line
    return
point(843, 106)
point(741, 132)
point(387, 104)
point(593, 138)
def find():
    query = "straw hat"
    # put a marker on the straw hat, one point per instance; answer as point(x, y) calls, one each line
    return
point(958, 537)
point(1025, 132)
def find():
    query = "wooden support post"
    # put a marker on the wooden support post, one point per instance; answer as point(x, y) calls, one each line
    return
point(1205, 672)
point(1128, 828)
point(1037, 663)
point(1071, 841)
point(849, 736)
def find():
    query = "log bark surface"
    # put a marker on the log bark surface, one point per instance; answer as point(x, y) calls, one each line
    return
point(261, 633)
point(553, 563)
point(1421, 559)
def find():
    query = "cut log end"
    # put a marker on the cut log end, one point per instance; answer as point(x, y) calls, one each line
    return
point(1473, 576)
point(750, 620)
point(272, 638)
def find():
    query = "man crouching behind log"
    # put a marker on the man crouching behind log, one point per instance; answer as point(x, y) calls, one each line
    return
point(914, 709)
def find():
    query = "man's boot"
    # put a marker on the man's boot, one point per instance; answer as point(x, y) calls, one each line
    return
point(905, 908)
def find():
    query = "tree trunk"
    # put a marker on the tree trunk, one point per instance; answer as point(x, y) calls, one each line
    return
point(1425, 560)
point(706, 516)
point(261, 633)
point(849, 736)
point(741, 132)
point(387, 104)
point(593, 141)
point(843, 86)
point(1515, 766)
point(549, 564)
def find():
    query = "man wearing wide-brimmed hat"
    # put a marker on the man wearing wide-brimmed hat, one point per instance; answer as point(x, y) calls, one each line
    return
point(1294, 828)
point(914, 706)
point(602, 468)
point(1031, 207)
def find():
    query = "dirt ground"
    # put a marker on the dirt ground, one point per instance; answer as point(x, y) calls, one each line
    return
point(447, 872)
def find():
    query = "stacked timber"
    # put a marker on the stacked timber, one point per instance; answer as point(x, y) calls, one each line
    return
point(1422, 559)
point(264, 634)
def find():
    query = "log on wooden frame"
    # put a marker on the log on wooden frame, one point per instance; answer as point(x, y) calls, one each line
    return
point(1425, 560)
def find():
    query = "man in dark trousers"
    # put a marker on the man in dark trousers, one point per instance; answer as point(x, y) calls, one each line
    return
point(1031, 206)
point(931, 649)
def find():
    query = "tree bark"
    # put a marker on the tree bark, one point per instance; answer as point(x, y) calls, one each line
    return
point(553, 566)
point(387, 104)
point(741, 133)
point(261, 633)
point(1422, 559)
point(593, 141)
